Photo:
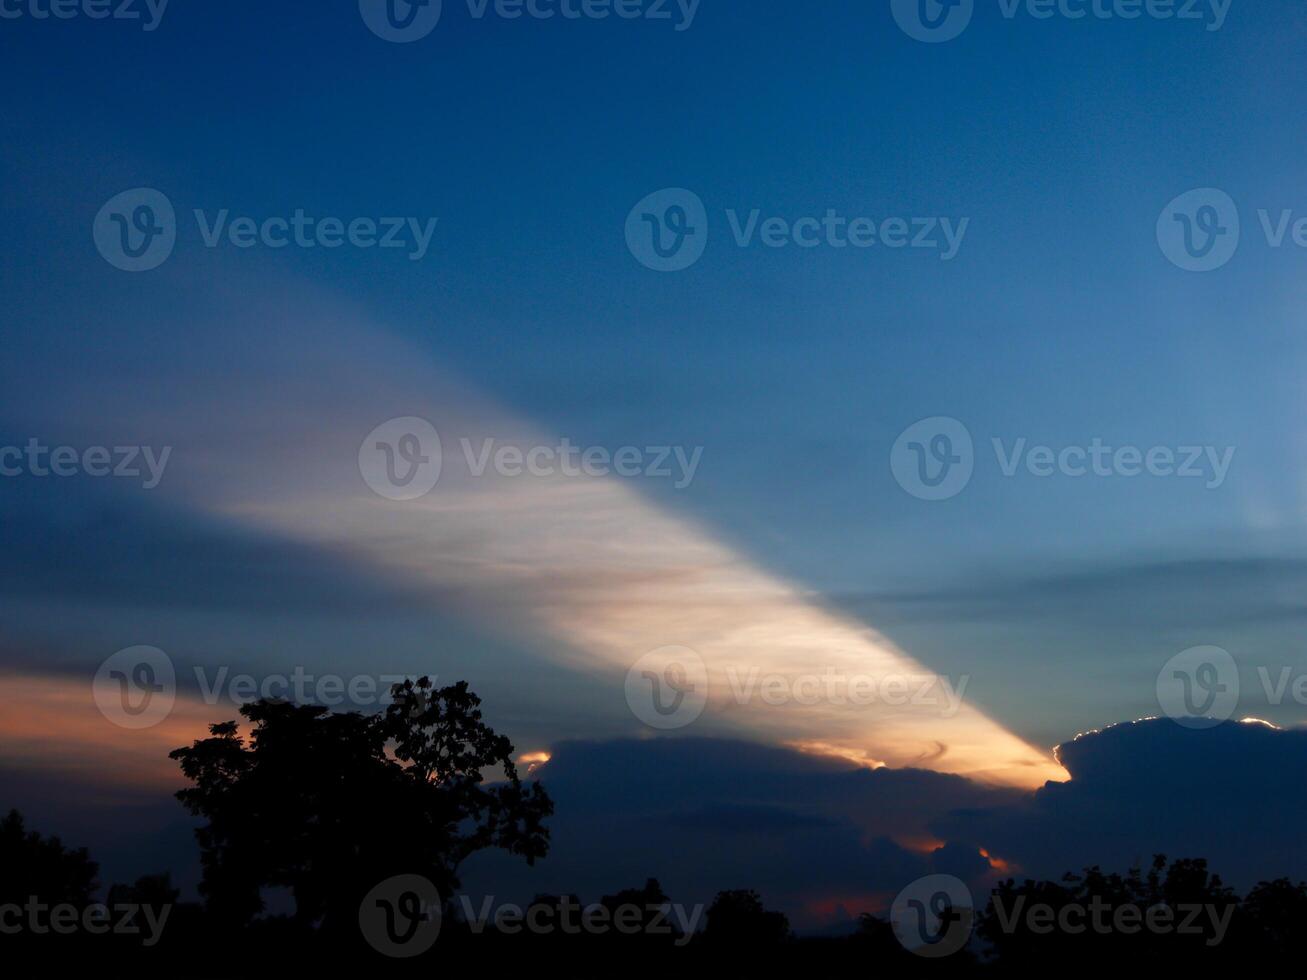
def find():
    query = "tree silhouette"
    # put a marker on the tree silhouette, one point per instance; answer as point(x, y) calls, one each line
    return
point(41, 868)
point(1020, 940)
point(328, 805)
point(739, 915)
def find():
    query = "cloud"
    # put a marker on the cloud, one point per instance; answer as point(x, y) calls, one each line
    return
point(67, 540)
point(815, 836)
point(1207, 591)
point(823, 839)
point(701, 815)
point(577, 569)
point(1232, 794)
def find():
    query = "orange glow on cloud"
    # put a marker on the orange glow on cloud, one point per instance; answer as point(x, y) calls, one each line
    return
point(52, 725)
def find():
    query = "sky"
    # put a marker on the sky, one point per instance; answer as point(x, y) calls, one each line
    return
point(1040, 157)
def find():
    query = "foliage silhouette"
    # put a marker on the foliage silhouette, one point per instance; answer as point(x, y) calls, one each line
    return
point(739, 915)
point(315, 803)
point(32, 866)
point(328, 805)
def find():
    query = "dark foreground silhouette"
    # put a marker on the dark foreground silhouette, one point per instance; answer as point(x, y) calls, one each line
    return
point(364, 821)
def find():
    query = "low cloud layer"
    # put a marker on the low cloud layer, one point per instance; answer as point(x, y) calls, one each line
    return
point(823, 841)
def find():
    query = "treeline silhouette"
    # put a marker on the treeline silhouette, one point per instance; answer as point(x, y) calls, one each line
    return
point(327, 808)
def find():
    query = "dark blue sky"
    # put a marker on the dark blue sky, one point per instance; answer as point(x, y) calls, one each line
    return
point(1059, 321)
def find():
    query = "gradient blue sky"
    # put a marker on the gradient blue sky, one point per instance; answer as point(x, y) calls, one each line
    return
point(1059, 321)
